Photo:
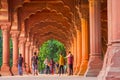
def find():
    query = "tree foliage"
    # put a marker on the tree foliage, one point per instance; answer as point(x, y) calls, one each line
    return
point(1, 48)
point(50, 49)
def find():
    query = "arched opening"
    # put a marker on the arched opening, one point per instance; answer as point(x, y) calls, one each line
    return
point(50, 49)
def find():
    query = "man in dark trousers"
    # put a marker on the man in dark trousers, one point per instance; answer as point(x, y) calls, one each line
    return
point(70, 63)
point(34, 61)
point(20, 62)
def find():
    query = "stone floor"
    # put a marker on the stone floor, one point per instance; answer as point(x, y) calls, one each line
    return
point(46, 77)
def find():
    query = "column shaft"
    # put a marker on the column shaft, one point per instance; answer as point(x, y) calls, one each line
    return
point(27, 46)
point(30, 56)
point(112, 70)
point(85, 47)
point(5, 68)
point(95, 62)
point(79, 51)
point(15, 51)
point(102, 72)
point(75, 54)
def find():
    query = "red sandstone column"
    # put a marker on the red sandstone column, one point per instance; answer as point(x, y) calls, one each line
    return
point(27, 46)
point(33, 49)
point(105, 64)
point(79, 51)
point(84, 63)
point(30, 56)
point(95, 62)
point(75, 54)
point(14, 35)
point(112, 70)
point(5, 68)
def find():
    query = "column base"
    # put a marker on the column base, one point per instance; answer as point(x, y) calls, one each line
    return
point(15, 69)
point(105, 64)
point(111, 74)
point(24, 70)
point(101, 75)
point(112, 70)
point(27, 70)
point(83, 68)
point(30, 70)
point(5, 70)
point(77, 70)
point(94, 66)
point(74, 69)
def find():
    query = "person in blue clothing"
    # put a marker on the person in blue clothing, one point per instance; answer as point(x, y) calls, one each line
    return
point(34, 61)
point(20, 62)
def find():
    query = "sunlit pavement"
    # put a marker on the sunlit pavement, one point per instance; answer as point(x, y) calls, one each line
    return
point(46, 77)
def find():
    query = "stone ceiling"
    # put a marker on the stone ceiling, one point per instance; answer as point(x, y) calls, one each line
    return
point(41, 20)
point(45, 19)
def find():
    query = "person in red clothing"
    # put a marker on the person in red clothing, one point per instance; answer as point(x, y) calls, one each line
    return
point(70, 63)
point(52, 64)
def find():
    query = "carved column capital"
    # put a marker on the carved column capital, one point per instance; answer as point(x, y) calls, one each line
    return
point(22, 40)
point(14, 34)
point(5, 26)
point(27, 43)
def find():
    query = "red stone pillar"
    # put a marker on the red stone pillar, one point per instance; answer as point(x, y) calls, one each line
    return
point(95, 62)
point(85, 47)
point(105, 64)
point(112, 70)
point(34, 48)
point(79, 51)
point(75, 54)
point(27, 48)
point(22, 49)
point(14, 35)
point(5, 68)
point(30, 56)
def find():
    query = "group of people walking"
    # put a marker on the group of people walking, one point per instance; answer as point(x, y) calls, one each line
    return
point(61, 67)
point(34, 64)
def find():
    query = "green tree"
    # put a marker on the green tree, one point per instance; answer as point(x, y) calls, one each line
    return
point(11, 49)
point(50, 49)
point(11, 52)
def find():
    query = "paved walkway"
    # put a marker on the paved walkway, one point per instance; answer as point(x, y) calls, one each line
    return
point(46, 77)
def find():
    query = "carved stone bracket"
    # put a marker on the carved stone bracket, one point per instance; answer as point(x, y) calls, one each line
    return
point(14, 34)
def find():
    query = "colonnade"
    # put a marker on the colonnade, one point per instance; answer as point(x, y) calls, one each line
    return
point(107, 69)
point(20, 45)
point(85, 45)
